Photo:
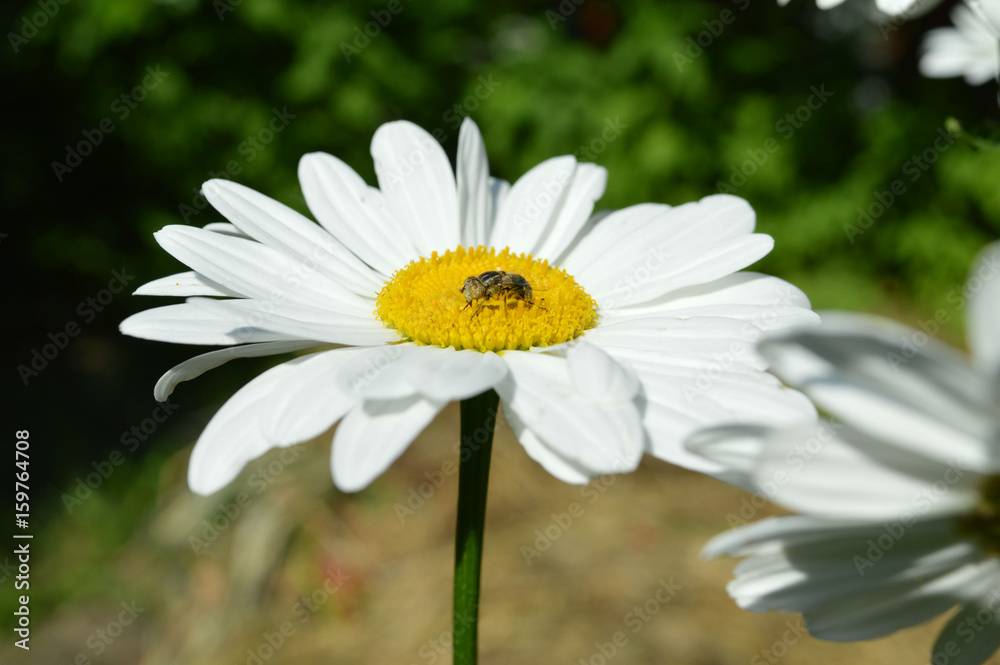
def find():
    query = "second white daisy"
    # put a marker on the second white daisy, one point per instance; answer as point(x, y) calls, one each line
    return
point(970, 49)
point(899, 495)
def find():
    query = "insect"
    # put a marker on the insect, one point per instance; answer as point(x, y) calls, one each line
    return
point(494, 283)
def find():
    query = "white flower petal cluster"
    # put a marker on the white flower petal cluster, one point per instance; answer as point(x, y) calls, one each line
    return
point(898, 494)
point(971, 49)
point(672, 350)
point(899, 8)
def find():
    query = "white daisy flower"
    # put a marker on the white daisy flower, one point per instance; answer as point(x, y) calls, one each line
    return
point(901, 8)
point(899, 493)
point(634, 331)
point(970, 49)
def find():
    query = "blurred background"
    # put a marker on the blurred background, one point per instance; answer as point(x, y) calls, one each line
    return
point(117, 111)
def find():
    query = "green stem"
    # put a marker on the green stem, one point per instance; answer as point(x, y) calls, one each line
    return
point(478, 421)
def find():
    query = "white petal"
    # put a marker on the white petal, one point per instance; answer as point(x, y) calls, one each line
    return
point(601, 437)
point(735, 448)
point(587, 186)
point(609, 229)
point(897, 384)
point(309, 401)
point(905, 8)
point(190, 324)
point(234, 436)
point(713, 218)
point(902, 604)
point(532, 203)
point(718, 390)
point(598, 376)
point(983, 293)
point(356, 214)
point(748, 288)
point(965, 640)
point(195, 367)
point(717, 339)
point(833, 537)
point(418, 184)
point(371, 374)
point(280, 227)
point(766, 302)
point(549, 460)
point(590, 226)
point(747, 326)
point(475, 198)
point(499, 189)
point(831, 470)
point(656, 251)
point(225, 228)
point(969, 49)
point(298, 322)
point(184, 284)
point(680, 400)
point(439, 374)
point(847, 586)
point(653, 273)
point(626, 231)
point(374, 435)
point(988, 12)
point(257, 271)
point(668, 426)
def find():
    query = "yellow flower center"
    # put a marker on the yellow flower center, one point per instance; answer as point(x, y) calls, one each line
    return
point(513, 302)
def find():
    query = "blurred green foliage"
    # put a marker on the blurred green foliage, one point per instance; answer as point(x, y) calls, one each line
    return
point(701, 103)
